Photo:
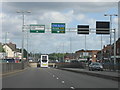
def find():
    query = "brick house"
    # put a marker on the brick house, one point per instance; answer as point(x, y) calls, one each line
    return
point(104, 54)
point(84, 54)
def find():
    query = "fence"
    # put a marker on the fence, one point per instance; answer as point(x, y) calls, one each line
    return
point(70, 65)
point(11, 67)
point(111, 66)
point(106, 66)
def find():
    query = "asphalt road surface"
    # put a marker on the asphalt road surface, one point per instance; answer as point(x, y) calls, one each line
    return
point(54, 78)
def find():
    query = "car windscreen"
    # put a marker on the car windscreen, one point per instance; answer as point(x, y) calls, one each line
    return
point(96, 64)
point(44, 60)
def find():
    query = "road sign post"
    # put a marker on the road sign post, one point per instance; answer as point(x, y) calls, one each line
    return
point(83, 29)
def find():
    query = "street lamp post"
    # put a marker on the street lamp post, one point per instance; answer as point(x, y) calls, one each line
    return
point(23, 16)
point(6, 37)
point(27, 27)
point(114, 46)
point(111, 15)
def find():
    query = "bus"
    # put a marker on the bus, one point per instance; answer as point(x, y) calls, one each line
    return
point(44, 61)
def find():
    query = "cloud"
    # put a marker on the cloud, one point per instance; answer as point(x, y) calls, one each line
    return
point(61, 1)
point(39, 7)
point(46, 13)
point(115, 20)
point(55, 17)
point(79, 16)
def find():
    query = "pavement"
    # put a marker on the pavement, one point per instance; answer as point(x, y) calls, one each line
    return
point(55, 78)
point(102, 74)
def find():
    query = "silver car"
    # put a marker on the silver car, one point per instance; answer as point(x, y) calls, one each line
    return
point(95, 66)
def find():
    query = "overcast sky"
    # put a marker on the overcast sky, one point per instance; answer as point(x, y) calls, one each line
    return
point(71, 13)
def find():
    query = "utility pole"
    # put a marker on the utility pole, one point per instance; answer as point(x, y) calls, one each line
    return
point(111, 15)
point(101, 50)
point(27, 44)
point(63, 52)
point(23, 16)
point(114, 49)
point(6, 35)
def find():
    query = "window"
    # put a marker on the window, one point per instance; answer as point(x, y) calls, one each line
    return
point(44, 60)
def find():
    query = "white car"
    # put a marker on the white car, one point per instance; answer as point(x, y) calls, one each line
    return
point(95, 66)
point(30, 60)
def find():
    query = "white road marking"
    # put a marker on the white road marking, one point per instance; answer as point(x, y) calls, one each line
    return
point(72, 87)
point(53, 75)
point(63, 81)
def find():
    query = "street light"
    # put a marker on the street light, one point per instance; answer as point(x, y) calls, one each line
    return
point(6, 37)
point(111, 15)
point(23, 15)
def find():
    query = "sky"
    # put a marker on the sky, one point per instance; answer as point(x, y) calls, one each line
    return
point(71, 13)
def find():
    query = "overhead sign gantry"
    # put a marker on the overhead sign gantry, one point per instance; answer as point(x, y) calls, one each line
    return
point(58, 27)
point(36, 28)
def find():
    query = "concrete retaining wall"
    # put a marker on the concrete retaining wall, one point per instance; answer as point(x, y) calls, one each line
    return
point(70, 65)
point(33, 64)
point(11, 67)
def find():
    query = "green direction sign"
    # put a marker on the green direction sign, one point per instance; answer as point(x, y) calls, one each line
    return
point(37, 28)
point(58, 27)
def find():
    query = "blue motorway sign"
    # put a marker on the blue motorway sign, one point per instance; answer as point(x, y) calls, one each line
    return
point(58, 27)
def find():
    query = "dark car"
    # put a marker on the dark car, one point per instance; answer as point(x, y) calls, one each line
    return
point(74, 61)
point(10, 60)
point(38, 64)
point(95, 66)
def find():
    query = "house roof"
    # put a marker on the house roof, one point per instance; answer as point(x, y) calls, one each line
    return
point(87, 51)
point(71, 55)
point(12, 46)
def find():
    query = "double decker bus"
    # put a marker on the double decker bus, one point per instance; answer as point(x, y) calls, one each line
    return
point(44, 61)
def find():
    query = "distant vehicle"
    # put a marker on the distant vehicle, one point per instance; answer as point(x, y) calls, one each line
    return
point(95, 66)
point(74, 61)
point(44, 61)
point(30, 60)
point(3, 61)
point(10, 60)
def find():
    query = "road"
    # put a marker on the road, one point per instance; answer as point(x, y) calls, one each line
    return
point(55, 78)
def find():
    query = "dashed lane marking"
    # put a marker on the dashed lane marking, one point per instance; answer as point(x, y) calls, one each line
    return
point(63, 81)
point(53, 75)
point(72, 87)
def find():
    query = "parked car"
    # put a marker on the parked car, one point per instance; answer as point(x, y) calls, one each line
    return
point(10, 60)
point(30, 60)
point(74, 61)
point(95, 66)
point(3, 61)
point(38, 64)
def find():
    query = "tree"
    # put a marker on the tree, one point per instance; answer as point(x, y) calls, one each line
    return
point(1, 48)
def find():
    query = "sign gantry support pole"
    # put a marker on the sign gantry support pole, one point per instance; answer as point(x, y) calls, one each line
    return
point(114, 48)
point(85, 46)
point(101, 49)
